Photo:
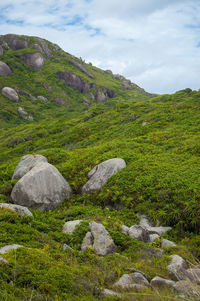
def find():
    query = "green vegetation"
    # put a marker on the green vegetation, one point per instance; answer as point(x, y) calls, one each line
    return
point(161, 180)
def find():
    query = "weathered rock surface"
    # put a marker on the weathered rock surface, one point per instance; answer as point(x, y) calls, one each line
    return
point(144, 223)
point(140, 279)
point(159, 282)
point(82, 68)
point(108, 293)
point(188, 289)
point(193, 275)
point(26, 163)
point(103, 243)
point(74, 81)
point(22, 92)
point(60, 102)
point(100, 96)
point(24, 114)
point(70, 226)
point(177, 267)
point(48, 88)
point(153, 237)
point(17, 208)
point(87, 241)
point(8, 248)
point(124, 229)
point(43, 188)
point(139, 233)
point(3, 260)
point(1, 50)
point(167, 244)
point(44, 47)
point(66, 247)
point(4, 69)
point(10, 93)
point(34, 60)
point(101, 173)
point(127, 281)
point(42, 98)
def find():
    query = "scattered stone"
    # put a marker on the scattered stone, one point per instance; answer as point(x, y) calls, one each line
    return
point(108, 72)
point(82, 68)
point(140, 279)
point(43, 188)
point(124, 229)
point(70, 226)
point(60, 102)
point(34, 60)
point(1, 50)
point(127, 281)
point(4, 69)
point(17, 208)
point(8, 248)
point(86, 102)
point(24, 114)
point(48, 88)
point(103, 243)
point(26, 163)
point(193, 275)
point(153, 237)
point(21, 92)
point(87, 241)
point(187, 288)
point(177, 267)
point(139, 233)
point(3, 260)
point(144, 223)
point(10, 93)
point(99, 175)
point(108, 293)
point(159, 282)
point(66, 247)
point(42, 98)
point(100, 96)
point(167, 244)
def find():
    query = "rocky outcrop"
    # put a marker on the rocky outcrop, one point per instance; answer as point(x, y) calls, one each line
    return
point(124, 229)
point(100, 96)
point(42, 98)
point(4, 69)
point(10, 93)
point(159, 282)
point(24, 114)
point(87, 241)
point(132, 281)
point(66, 247)
point(99, 175)
point(48, 88)
point(177, 267)
point(15, 42)
point(35, 60)
point(103, 243)
point(26, 163)
point(82, 68)
point(144, 223)
point(139, 233)
point(74, 81)
point(17, 208)
point(43, 188)
point(109, 293)
point(44, 47)
point(70, 226)
point(9, 248)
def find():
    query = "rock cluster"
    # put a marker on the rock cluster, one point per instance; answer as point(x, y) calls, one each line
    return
point(24, 114)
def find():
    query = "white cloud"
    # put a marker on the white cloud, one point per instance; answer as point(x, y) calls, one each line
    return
point(152, 42)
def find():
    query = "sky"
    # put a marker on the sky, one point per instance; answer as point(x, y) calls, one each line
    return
point(154, 43)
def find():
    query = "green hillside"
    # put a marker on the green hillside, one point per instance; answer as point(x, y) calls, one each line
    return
point(158, 137)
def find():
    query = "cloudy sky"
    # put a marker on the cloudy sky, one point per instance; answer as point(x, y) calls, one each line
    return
point(155, 43)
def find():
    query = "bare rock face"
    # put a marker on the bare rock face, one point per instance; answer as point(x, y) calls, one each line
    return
point(74, 81)
point(17, 208)
point(87, 241)
point(43, 188)
point(22, 92)
point(26, 163)
point(70, 226)
point(18, 44)
point(139, 233)
point(8, 248)
point(144, 223)
point(82, 68)
point(153, 237)
point(100, 96)
point(86, 102)
point(10, 93)
point(34, 60)
point(177, 267)
point(4, 69)
point(44, 47)
point(24, 114)
point(159, 282)
point(103, 243)
point(101, 173)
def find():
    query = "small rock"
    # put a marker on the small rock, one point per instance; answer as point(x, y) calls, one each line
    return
point(86, 102)
point(17, 208)
point(159, 282)
point(87, 241)
point(1, 50)
point(10, 93)
point(140, 279)
point(177, 267)
point(3, 260)
point(139, 233)
point(42, 98)
point(82, 68)
point(127, 281)
point(26, 163)
point(8, 248)
point(193, 275)
point(99, 175)
point(60, 101)
point(153, 237)
point(17, 44)
point(66, 247)
point(167, 244)
point(187, 288)
point(124, 229)
point(24, 114)
point(70, 226)
point(4, 69)
point(107, 293)
point(103, 243)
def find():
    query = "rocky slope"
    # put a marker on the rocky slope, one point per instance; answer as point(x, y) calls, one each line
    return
point(99, 182)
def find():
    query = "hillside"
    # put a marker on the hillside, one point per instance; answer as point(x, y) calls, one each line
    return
point(85, 117)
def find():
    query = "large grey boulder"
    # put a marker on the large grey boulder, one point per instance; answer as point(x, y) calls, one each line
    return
point(99, 175)
point(100, 96)
point(17, 208)
point(70, 226)
point(35, 60)
point(87, 241)
point(4, 69)
point(3, 260)
point(103, 243)
point(43, 188)
point(187, 288)
point(74, 81)
point(153, 237)
point(9, 248)
point(167, 244)
point(127, 281)
point(10, 93)
point(139, 233)
point(177, 267)
point(18, 44)
point(44, 47)
point(159, 282)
